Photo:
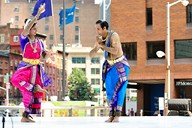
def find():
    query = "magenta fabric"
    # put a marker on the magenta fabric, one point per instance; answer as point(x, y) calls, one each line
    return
point(28, 51)
point(23, 76)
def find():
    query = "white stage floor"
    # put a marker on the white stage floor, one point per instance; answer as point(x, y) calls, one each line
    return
point(98, 122)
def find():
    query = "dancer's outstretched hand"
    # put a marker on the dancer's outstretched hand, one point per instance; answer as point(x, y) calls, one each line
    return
point(41, 10)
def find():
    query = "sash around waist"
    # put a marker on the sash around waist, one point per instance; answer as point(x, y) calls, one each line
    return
point(32, 61)
point(112, 62)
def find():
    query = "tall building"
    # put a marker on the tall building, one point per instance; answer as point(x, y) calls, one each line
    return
point(141, 25)
point(80, 31)
point(78, 57)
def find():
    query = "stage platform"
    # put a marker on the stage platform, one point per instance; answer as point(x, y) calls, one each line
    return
point(98, 122)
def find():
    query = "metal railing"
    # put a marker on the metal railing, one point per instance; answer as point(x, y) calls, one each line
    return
point(61, 111)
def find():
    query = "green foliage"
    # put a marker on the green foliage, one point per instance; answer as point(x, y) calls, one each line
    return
point(79, 88)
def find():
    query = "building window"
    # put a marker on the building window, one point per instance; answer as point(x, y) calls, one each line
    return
point(16, 18)
point(189, 13)
point(95, 60)
point(78, 60)
point(95, 81)
point(46, 19)
point(76, 28)
point(77, 19)
point(31, 9)
point(46, 28)
point(11, 62)
point(95, 71)
point(130, 50)
point(61, 28)
point(16, 63)
point(16, 9)
point(16, 39)
point(76, 10)
point(183, 49)
point(6, 65)
point(50, 46)
point(51, 37)
point(61, 37)
point(1, 63)
point(16, 26)
point(2, 38)
point(76, 38)
point(153, 47)
point(149, 16)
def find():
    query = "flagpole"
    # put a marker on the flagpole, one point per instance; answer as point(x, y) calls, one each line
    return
point(64, 83)
point(104, 16)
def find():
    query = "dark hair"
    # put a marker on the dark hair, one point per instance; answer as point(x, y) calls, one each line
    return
point(25, 20)
point(29, 22)
point(103, 24)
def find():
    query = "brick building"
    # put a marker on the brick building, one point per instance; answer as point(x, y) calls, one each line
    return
point(141, 25)
point(9, 59)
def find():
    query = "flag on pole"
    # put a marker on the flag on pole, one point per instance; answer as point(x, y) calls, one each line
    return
point(69, 15)
point(48, 8)
point(61, 17)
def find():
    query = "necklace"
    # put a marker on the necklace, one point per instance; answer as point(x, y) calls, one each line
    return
point(103, 40)
point(31, 44)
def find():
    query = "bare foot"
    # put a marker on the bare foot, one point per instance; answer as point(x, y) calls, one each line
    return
point(25, 119)
point(115, 119)
point(110, 119)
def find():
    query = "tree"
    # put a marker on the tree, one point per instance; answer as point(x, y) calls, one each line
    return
point(79, 87)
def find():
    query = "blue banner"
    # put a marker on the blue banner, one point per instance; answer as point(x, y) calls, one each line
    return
point(69, 15)
point(48, 8)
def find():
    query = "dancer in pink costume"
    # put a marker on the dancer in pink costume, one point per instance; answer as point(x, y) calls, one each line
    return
point(30, 76)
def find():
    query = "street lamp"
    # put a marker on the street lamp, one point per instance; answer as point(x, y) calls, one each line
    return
point(185, 3)
point(160, 54)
